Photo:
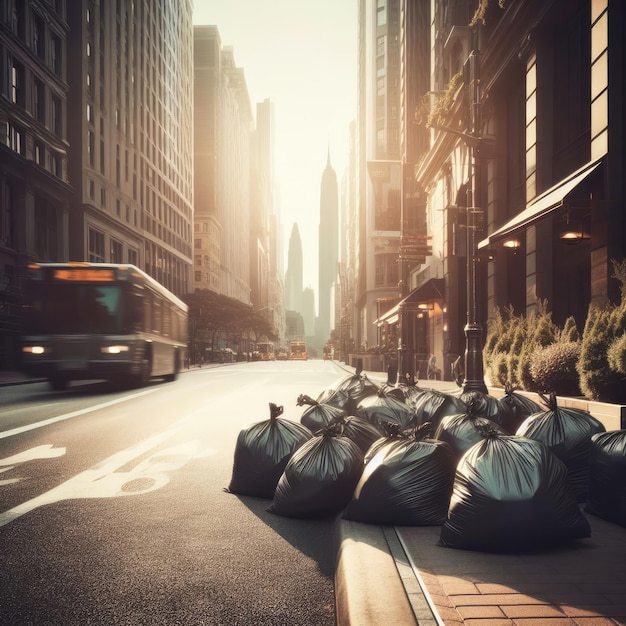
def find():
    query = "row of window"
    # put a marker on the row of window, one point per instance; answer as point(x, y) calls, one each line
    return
point(31, 28)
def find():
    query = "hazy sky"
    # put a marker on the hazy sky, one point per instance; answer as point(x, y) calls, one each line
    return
point(301, 54)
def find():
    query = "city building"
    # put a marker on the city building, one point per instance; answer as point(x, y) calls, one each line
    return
point(223, 124)
point(294, 275)
point(517, 168)
point(378, 166)
point(328, 257)
point(130, 160)
point(35, 195)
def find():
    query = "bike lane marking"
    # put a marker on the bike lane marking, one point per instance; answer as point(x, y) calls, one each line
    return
point(103, 481)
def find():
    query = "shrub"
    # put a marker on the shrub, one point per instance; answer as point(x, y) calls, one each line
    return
point(553, 368)
point(597, 380)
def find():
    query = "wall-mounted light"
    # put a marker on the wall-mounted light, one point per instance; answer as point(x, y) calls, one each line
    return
point(573, 237)
point(573, 231)
point(425, 306)
point(512, 244)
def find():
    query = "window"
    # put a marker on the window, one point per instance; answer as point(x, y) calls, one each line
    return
point(116, 251)
point(381, 12)
point(45, 230)
point(96, 246)
point(7, 219)
point(57, 116)
point(56, 160)
point(39, 154)
point(17, 83)
point(133, 256)
point(55, 55)
point(39, 46)
point(39, 104)
point(90, 147)
point(15, 138)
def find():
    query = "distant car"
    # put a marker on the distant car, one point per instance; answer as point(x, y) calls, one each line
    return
point(281, 356)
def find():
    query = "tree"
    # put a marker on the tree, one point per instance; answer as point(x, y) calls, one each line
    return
point(211, 313)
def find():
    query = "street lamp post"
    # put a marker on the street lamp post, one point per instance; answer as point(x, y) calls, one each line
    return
point(474, 378)
point(474, 373)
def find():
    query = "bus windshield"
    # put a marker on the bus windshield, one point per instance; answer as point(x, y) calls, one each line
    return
point(76, 308)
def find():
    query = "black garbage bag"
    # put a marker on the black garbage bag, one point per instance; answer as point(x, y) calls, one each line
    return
point(362, 432)
point(320, 478)
point(607, 476)
point(407, 483)
point(511, 494)
point(357, 386)
point(391, 432)
point(462, 431)
point(515, 408)
point(262, 452)
point(318, 415)
point(336, 398)
point(410, 393)
point(567, 432)
point(383, 408)
point(393, 390)
point(484, 405)
point(433, 405)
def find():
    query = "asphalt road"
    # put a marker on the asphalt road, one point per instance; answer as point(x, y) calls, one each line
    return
point(113, 509)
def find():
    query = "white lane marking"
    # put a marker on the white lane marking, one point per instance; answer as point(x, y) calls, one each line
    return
point(8, 481)
point(47, 451)
point(67, 416)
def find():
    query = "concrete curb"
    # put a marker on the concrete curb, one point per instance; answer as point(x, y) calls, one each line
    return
point(368, 587)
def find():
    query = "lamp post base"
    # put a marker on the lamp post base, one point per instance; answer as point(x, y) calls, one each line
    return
point(474, 373)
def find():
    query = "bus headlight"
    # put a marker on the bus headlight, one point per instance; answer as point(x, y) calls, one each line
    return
point(33, 349)
point(114, 349)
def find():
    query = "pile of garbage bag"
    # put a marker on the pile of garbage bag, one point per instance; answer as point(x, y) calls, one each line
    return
point(495, 474)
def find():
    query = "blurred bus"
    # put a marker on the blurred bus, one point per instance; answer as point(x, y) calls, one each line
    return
point(265, 350)
point(297, 350)
point(100, 321)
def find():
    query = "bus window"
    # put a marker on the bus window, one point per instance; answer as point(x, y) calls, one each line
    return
point(165, 308)
point(157, 316)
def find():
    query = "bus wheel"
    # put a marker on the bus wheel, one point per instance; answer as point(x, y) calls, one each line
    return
point(58, 383)
point(140, 380)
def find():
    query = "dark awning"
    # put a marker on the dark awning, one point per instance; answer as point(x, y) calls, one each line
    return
point(433, 289)
point(542, 206)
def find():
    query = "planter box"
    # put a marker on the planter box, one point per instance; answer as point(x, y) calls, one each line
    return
point(613, 416)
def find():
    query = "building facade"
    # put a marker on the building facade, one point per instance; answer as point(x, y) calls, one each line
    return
point(131, 156)
point(223, 124)
point(35, 195)
point(378, 165)
point(523, 169)
point(96, 111)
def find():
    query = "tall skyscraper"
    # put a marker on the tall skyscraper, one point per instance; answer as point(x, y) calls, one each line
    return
point(328, 251)
point(223, 127)
point(293, 276)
